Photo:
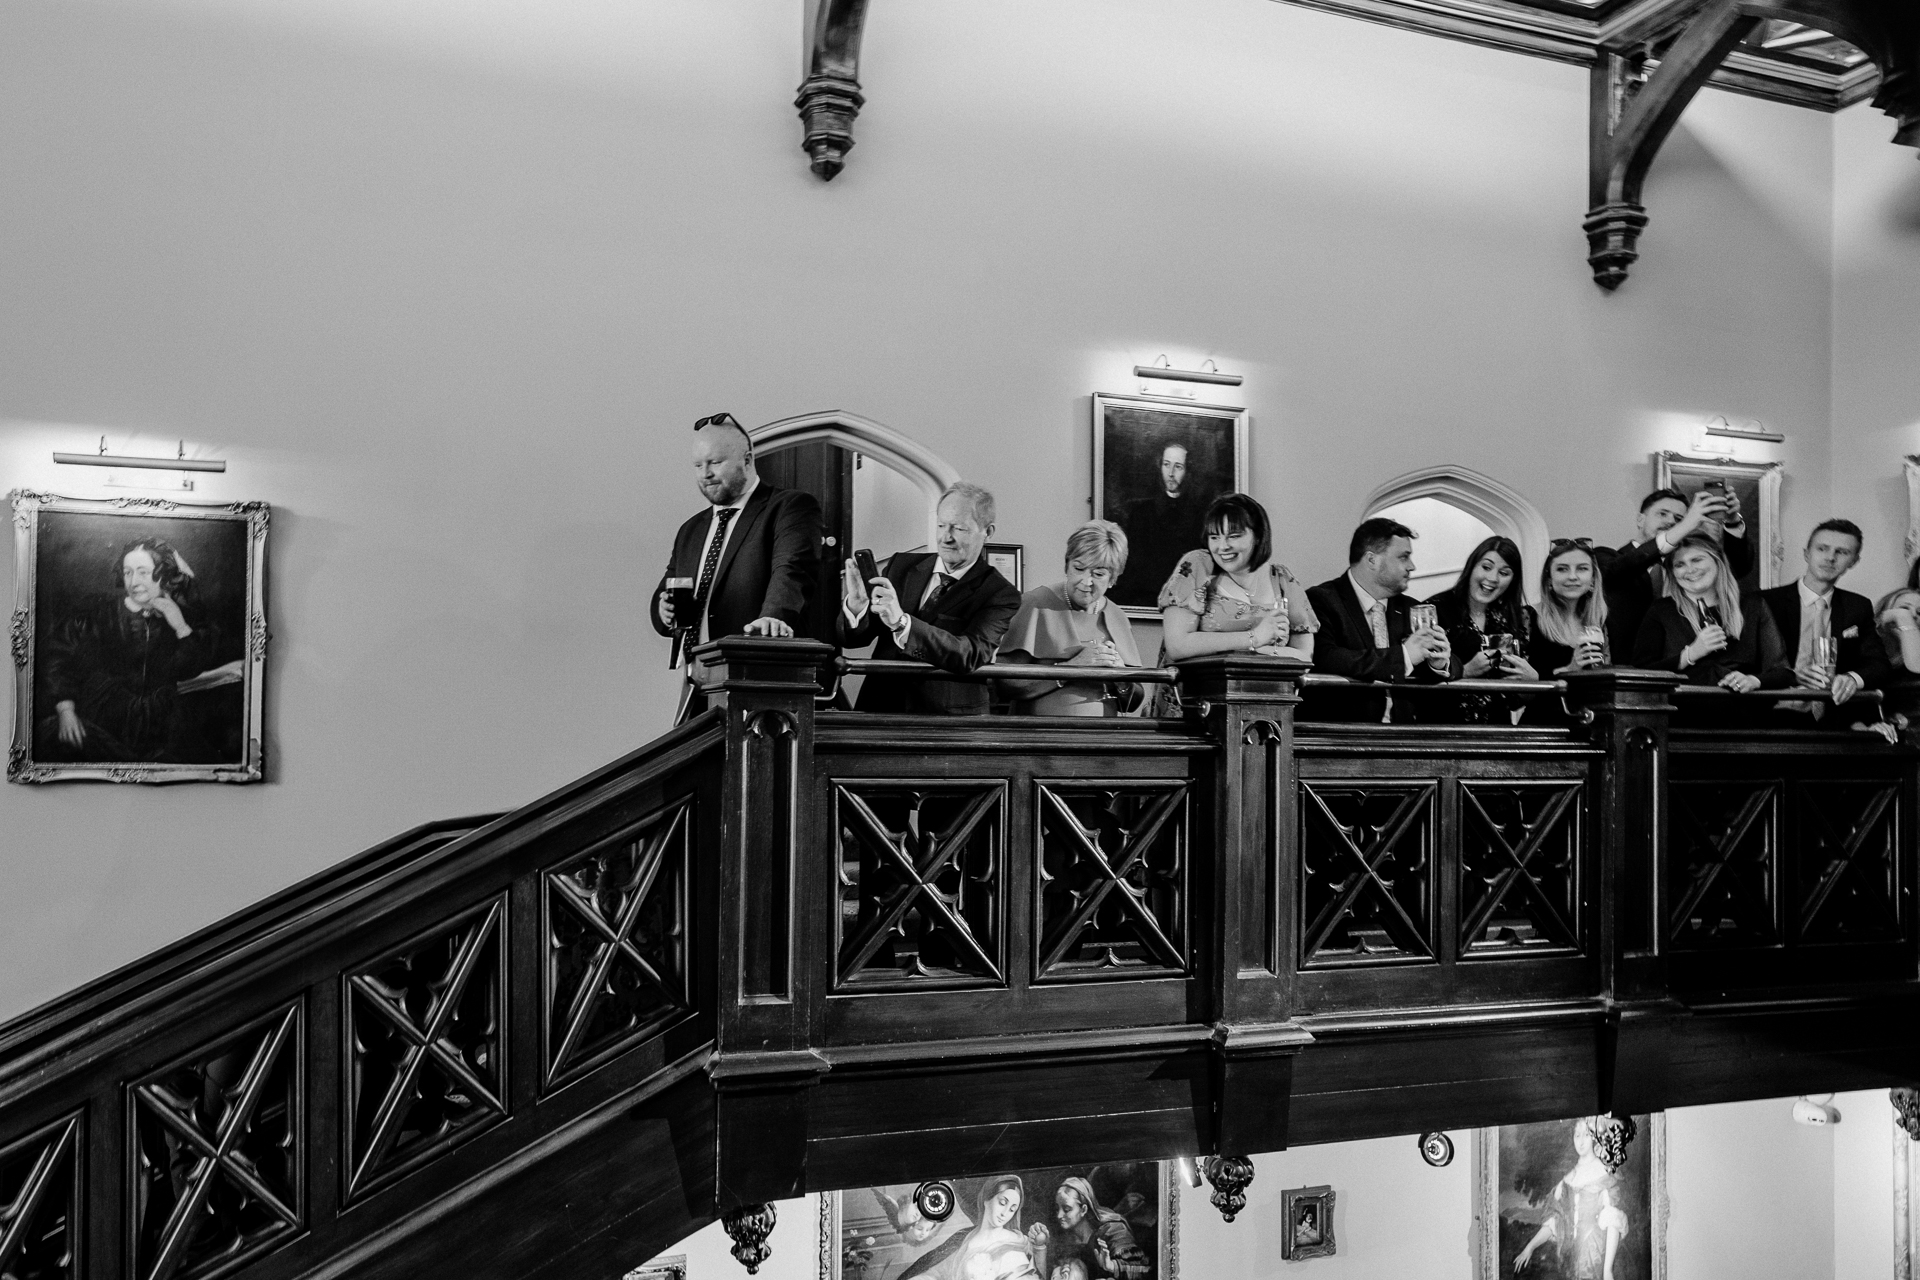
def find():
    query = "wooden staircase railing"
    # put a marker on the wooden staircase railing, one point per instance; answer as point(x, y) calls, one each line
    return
point(782, 950)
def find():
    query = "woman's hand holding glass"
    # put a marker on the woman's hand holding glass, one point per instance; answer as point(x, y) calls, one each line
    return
point(1513, 664)
point(1712, 639)
point(1478, 665)
point(1269, 632)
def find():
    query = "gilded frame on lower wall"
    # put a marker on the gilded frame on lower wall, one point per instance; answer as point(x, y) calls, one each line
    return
point(1758, 486)
point(1545, 1192)
point(139, 639)
point(891, 1233)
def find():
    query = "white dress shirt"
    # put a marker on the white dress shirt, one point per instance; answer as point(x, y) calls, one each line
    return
point(1368, 604)
point(706, 545)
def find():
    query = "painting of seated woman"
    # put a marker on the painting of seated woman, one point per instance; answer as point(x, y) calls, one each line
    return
point(1090, 1222)
point(143, 633)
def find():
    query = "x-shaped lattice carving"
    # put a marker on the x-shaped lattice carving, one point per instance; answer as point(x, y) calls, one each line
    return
point(1514, 859)
point(219, 1151)
point(426, 1042)
point(1845, 849)
point(1722, 849)
point(1111, 876)
point(55, 1168)
point(919, 856)
point(1365, 862)
point(666, 839)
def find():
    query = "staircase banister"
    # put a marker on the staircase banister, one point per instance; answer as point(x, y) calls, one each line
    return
point(394, 872)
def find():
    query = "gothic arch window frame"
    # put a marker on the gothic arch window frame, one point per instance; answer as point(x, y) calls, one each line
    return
point(1499, 506)
point(928, 471)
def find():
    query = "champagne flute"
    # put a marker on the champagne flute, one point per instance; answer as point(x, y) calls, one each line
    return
point(1825, 658)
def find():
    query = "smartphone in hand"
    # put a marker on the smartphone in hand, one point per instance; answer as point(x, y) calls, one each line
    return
point(863, 560)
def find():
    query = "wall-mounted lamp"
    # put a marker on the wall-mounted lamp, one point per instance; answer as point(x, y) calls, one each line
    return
point(1162, 371)
point(1807, 1111)
point(1189, 1170)
point(1718, 425)
point(105, 459)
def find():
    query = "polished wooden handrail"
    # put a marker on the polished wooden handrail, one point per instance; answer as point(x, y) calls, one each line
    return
point(1010, 671)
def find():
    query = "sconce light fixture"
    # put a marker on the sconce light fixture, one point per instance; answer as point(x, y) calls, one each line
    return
point(1807, 1111)
point(1189, 1170)
point(105, 459)
point(1718, 425)
point(1162, 371)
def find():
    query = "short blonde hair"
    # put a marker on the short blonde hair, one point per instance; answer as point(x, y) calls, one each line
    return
point(1099, 544)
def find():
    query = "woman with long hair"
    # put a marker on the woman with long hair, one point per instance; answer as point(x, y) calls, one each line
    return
point(1707, 631)
point(1899, 619)
point(1570, 626)
point(1488, 623)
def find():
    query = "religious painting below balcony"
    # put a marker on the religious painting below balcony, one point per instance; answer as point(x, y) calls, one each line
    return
point(139, 639)
point(1156, 467)
point(1578, 1199)
point(1116, 1221)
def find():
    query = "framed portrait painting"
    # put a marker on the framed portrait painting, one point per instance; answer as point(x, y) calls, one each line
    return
point(1756, 485)
point(1156, 467)
point(1555, 1200)
point(1081, 1222)
point(139, 640)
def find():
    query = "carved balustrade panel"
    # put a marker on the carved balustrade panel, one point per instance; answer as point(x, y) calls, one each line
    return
point(616, 924)
point(41, 1190)
point(1724, 864)
point(426, 1047)
point(215, 1172)
point(1112, 865)
point(1520, 868)
point(1849, 883)
point(922, 892)
point(1366, 871)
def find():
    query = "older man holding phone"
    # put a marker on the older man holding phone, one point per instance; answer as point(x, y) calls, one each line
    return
point(948, 608)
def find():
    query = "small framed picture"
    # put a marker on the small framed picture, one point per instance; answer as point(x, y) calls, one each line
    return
point(1308, 1213)
point(1010, 559)
point(1156, 469)
point(1754, 485)
point(1079, 1221)
point(139, 640)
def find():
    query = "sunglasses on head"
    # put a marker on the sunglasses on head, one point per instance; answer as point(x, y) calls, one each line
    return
point(718, 420)
point(1561, 544)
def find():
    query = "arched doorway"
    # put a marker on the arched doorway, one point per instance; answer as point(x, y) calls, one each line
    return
point(877, 488)
point(1452, 509)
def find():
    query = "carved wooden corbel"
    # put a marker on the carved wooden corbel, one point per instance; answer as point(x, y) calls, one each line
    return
point(830, 96)
point(1684, 42)
point(1229, 1176)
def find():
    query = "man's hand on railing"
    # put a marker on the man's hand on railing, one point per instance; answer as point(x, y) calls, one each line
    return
point(769, 627)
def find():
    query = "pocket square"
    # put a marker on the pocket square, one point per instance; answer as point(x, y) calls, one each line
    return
point(1851, 633)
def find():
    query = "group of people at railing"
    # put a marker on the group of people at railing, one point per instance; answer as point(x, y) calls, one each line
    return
point(1670, 599)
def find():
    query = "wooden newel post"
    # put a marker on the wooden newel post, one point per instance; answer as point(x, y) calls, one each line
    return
point(762, 1063)
point(1627, 712)
point(1244, 890)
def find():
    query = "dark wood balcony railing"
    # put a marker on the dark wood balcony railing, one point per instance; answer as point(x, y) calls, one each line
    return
point(784, 949)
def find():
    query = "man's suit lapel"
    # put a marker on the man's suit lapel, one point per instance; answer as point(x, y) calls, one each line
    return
point(913, 583)
point(1786, 616)
point(743, 525)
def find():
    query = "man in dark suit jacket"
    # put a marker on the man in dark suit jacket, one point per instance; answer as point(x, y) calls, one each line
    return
point(751, 556)
point(1358, 609)
point(949, 608)
point(1798, 608)
point(1666, 516)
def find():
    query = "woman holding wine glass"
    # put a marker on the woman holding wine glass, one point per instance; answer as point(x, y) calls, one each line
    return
point(1570, 626)
point(1707, 631)
point(1488, 623)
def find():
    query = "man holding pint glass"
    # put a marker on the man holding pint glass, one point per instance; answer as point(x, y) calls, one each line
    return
point(746, 564)
point(1368, 632)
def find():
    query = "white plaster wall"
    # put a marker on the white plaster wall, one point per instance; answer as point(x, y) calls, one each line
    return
point(1863, 1186)
point(1876, 335)
point(446, 280)
point(1751, 1192)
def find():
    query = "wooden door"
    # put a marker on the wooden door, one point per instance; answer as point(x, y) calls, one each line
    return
point(825, 471)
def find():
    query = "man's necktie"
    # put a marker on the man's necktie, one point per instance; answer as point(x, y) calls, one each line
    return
point(940, 584)
point(1377, 619)
point(725, 517)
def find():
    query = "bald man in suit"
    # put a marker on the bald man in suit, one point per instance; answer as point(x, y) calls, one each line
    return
point(752, 555)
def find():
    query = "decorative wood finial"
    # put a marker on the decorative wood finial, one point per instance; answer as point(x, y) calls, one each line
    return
point(1611, 1137)
point(830, 97)
point(1229, 1176)
point(750, 1225)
